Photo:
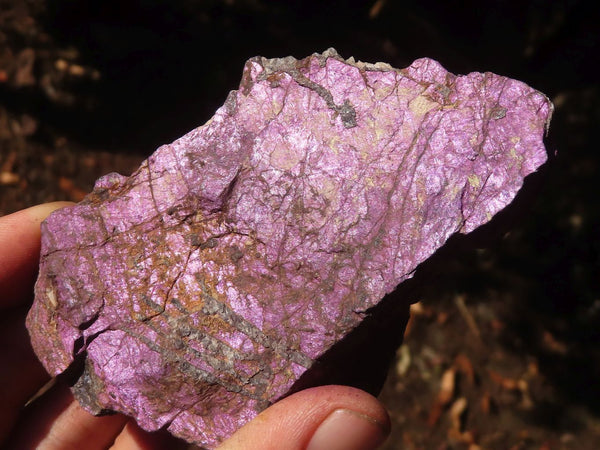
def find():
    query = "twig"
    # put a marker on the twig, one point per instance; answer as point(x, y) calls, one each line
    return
point(466, 314)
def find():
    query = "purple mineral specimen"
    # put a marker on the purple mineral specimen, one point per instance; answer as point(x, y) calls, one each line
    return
point(198, 290)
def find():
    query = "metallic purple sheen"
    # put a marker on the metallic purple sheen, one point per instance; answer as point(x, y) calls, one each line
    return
point(200, 288)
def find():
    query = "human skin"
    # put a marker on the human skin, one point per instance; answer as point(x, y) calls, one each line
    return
point(332, 417)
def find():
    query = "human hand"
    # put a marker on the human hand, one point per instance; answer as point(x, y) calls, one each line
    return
point(326, 417)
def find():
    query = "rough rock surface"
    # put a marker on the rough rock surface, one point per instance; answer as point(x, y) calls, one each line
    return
point(197, 291)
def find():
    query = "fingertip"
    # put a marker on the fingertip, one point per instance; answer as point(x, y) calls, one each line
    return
point(38, 213)
point(345, 429)
point(322, 417)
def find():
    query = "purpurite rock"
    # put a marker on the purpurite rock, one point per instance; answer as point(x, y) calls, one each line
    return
point(199, 289)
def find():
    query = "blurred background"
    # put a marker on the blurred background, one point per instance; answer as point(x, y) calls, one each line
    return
point(502, 350)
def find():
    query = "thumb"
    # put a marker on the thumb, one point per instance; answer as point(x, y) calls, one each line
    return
point(20, 252)
point(325, 417)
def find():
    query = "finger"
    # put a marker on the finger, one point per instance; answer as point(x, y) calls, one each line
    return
point(21, 374)
point(326, 417)
point(56, 421)
point(19, 252)
point(134, 438)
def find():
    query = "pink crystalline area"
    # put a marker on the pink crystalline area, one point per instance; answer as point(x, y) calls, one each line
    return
point(202, 287)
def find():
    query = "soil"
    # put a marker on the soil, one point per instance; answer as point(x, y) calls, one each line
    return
point(502, 348)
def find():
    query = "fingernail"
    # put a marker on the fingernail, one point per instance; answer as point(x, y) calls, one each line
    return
point(348, 430)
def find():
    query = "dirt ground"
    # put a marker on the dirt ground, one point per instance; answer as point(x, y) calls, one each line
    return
point(502, 349)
